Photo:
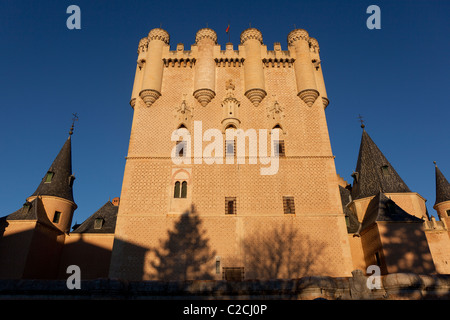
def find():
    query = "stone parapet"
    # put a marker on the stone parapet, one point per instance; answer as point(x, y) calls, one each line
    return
point(398, 286)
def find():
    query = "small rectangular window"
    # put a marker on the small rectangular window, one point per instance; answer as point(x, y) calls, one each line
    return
point(230, 205)
point(448, 213)
point(48, 177)
point(98, 223)
point(71, 180)
point(347, 221)
point(56, 217)
point(230, 148)
point(217, 265)
point(385, 170)
point(355, 176)
point(288, 205)
point(279, 148)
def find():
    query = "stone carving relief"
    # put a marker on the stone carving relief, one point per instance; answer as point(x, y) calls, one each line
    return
point(183, 114)
point(230, 106)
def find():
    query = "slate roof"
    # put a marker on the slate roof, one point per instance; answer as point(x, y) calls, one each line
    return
point(108, 212)
point(442, 187)
point(351, 218)
point(374, 173)
point(32, 211)
point(28, 212)
point(381, 208)
point(61, 167)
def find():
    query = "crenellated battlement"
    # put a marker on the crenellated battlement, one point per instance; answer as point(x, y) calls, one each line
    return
point(205, 55)
point(248, 34)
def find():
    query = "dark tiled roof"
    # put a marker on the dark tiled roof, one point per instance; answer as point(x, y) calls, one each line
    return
point(374, 173)
point(351, 218)
point(27, 212)
point(33, 210)
point(109, 215)
point(381, 208)
point(61, 167)
point(442, 187)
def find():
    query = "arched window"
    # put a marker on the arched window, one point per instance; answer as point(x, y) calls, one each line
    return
point(184, 189)
point(180, 189)
point(176, 191)
point(279, 144)
point(181, 145)
point(230, 145)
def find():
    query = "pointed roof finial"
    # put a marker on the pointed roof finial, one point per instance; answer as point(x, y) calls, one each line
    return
point(75, 118)
point(442, 186)
point(362, 121)
point(370, 179)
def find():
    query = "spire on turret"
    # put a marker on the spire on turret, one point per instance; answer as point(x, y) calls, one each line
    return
point(58, 180)
point(374, 173)
point(75, 118)
point(442, 186)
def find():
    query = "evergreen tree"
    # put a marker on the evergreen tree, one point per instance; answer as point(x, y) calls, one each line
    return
point(185, 255)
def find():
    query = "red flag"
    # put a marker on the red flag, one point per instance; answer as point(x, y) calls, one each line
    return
point(228, 29)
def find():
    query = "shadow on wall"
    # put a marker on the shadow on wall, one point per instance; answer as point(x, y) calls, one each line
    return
point(93, 260)
point(405, 248)
point(282, 253)
point(30, 254)
point(185, 254)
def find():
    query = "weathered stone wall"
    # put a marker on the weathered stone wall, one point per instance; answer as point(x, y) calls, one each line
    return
point(400, 286)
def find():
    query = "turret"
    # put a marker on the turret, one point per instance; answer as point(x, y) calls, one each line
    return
point(374, 173)
point(55, 190)
point(442, 203)
point(139, 75)
point(205, 66)
point(154, 66)
point(298, 41)
point(252, 40)
point(317, 64)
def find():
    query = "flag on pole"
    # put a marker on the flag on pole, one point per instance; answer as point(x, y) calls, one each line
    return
point(228, 29)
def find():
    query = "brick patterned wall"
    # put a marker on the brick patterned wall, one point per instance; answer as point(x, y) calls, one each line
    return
point(438, 243)
point(307, 173)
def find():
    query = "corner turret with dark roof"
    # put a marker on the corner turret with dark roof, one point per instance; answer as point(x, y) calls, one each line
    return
point(58, 181)
point(442, 187)
point(374, 173)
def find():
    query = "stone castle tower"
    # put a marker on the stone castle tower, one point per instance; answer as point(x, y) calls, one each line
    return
point(256, 226)
point(230, 175)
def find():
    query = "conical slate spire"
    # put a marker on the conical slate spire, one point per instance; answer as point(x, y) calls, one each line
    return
point(58, 180)
point(442, 187)
point(374, 173)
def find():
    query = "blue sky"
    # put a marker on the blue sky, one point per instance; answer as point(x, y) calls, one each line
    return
point(397, 78)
